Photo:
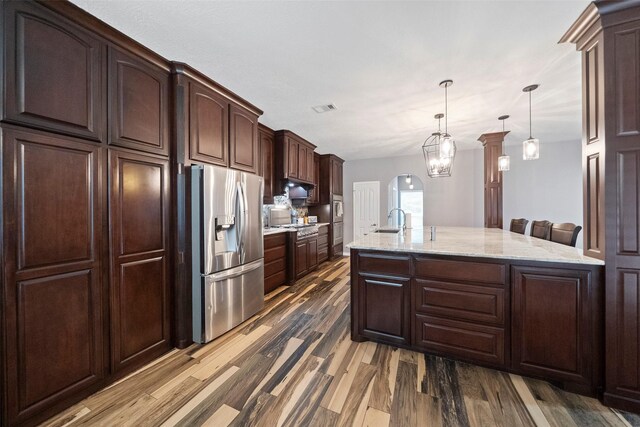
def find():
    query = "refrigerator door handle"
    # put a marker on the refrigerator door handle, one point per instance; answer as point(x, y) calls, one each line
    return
point(236, 271)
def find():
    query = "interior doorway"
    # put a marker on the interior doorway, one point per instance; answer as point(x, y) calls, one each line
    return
point(366, 208)
point(406, 192)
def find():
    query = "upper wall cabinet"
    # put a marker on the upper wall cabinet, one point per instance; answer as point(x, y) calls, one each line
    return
point(243, 139)
point(208, 125)
point(138, 104)
point(266, 161)
point(218, 127)
point(294, 158)
point(53, 73)
point(330, 177)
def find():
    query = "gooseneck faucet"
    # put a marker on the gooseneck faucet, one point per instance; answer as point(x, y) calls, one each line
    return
point(404, 218)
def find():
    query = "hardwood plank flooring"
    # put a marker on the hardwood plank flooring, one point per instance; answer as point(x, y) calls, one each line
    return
point(294, 364)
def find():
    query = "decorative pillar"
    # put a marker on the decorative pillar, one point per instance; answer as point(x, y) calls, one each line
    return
point(492, 143)
point(608, 35)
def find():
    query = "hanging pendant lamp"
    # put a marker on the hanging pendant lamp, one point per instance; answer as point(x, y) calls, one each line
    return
point(504, 161)
point(530, 147)
point(439, 149)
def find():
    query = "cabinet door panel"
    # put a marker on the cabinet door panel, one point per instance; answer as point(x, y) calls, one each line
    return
point(384, 308)
point(302, 163)
point(543, 299)
point(313, 254)
point(139, 104)
point(243, 140)
point(310, 166)
point(55, 70)
point(292, 158)
point(302, 259)
point(208, 126)
point(139, 214)
point(52, 284)
point(267, 171)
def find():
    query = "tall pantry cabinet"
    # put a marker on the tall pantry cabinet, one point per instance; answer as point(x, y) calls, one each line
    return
point(85, 207)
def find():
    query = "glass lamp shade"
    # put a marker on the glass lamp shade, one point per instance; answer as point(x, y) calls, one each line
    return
point(531, 149)
point(439, 151)
point(504, 163)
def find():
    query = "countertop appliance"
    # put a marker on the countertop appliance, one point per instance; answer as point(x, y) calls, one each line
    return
point(227, 249)
point(279, 216)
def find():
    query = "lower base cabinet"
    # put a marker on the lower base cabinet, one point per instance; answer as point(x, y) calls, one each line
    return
point(275, 261)
point(542, 320)
point(385, 313)
point(555, 326)
point(306, 256)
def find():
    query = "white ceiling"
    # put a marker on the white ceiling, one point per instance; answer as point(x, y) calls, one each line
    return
point(379, 62)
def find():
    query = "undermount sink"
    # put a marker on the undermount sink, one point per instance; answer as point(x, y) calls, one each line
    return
point(387, 230)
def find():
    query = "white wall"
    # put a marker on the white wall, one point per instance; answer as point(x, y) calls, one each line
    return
point(447, 201)
point(548, 188)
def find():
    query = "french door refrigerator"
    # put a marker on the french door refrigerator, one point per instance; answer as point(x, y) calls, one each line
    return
point(227, 249)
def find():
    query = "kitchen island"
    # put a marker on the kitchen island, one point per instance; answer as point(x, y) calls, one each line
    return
point(485, 296)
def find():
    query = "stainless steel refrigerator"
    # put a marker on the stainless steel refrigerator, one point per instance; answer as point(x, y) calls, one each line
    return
point(227, 249)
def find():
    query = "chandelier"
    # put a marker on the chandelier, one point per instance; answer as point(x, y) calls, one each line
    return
point(439, 149)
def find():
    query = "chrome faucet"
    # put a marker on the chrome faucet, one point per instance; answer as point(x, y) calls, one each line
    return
point(404, 218)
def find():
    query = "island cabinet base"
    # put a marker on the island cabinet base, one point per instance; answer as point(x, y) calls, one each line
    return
point(538, 319)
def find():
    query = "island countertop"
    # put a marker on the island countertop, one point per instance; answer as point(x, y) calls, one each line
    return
point(474, 242)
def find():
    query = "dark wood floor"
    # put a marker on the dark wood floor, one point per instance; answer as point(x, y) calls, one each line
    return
point(294, 364)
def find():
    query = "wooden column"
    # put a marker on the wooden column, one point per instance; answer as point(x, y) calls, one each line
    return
point(608, 35)
point(492, 143)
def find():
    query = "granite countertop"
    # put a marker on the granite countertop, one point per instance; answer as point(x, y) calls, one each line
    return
point(475, 242)
point(276, 230)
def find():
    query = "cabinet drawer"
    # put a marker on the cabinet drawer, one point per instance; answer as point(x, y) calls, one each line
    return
point(323, 240)
point(455, 300)
point(467, 341)
point(273, 254)
point(272, 282)
point(273, 240)
point(323, 229)
point(395, 265)
point(275, 267)
point(460, 270)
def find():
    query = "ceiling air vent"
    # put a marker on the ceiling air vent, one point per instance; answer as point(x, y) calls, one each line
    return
point(324, 108)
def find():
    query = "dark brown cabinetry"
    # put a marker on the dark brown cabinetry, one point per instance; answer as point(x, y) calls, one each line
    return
point(381, 298)
point(208, 125)
point(306, 255)
point(608, 36)
point(139, 103)
point(499, 314)
point(330, 177)
point(54, 299)
point(293, 158)
point(323, 243)
point(266, 138)
point(243, 140)
point(275, 261)
point(139, 218)
point(555, 312)
point(213, 124)
point(314, 197)
point(461, 309)
point(86, 197)
point(53, 72)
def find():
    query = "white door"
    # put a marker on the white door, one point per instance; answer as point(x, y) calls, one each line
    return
point(366, 208)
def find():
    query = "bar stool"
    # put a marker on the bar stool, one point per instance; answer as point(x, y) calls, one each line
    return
point(518, 225)
point(541, 229)
point(565, 233)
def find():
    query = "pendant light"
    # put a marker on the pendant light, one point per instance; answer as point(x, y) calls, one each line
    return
point(409, 180)
point(439, 149)
point(530, 147)
point(504, 161)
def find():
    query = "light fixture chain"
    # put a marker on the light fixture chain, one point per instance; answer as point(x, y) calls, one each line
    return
point(446, 111)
